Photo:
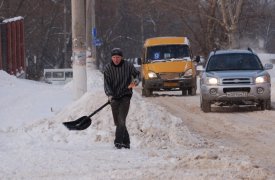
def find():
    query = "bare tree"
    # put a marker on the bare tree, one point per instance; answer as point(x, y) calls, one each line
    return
point(257, 28)
point(44, 32)
point(209, 24)
point(230, 10)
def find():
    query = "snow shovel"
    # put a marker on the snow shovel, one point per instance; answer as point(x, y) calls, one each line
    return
point(84, 122)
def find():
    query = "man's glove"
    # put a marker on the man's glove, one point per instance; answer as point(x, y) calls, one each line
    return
point(110, 98)
point(133, 84)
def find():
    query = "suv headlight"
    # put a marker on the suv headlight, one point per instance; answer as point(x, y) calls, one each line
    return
point(261, 79)
point(152, 75)
point(212, 81)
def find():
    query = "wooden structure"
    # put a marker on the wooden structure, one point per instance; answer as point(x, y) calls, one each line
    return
point(12, 46)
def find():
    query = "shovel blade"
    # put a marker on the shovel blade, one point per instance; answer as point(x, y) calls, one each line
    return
point(80, 124)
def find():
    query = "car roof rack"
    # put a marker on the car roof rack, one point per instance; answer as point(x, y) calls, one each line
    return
point(215, 49)
point(249, 49)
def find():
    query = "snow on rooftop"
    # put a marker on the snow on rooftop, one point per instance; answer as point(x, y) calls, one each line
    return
point(13, 19)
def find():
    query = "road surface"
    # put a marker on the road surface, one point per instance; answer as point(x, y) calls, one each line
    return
point(250, 130)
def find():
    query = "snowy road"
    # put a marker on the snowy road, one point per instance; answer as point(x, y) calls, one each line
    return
point(249, 130)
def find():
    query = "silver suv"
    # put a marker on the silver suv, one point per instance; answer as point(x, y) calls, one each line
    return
point(235, 77)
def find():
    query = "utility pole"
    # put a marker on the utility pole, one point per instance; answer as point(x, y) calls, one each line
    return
point(88, 34)
point(90, 26)
point(65, 65)
point(79, 48)
point(93, 27)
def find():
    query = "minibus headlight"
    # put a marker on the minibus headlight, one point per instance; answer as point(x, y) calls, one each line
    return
point(188, 73)
point(152, 75)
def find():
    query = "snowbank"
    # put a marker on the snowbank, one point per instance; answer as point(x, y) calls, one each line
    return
point(35, 144)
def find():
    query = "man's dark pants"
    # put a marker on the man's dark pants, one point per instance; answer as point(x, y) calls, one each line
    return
point(120, 108)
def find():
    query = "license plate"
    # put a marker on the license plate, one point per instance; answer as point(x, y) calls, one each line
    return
point(171, 84)
point(236, 94)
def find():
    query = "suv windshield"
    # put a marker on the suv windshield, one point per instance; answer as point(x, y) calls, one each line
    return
point(167, 52)
point(234, 61)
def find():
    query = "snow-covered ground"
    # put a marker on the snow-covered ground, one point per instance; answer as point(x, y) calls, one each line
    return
point(35, 144)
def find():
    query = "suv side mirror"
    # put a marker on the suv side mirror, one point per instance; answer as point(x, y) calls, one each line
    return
point(268, 66)
point(139, 61)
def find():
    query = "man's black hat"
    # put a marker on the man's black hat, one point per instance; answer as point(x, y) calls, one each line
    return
point(116, 51)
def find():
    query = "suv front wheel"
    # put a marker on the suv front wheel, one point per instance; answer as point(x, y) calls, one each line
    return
point(265, 104)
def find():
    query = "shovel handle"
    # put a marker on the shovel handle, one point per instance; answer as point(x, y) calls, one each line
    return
point(96, 111)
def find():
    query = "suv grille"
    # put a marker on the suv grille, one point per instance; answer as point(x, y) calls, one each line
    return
point(244, 89)
point(236, 81)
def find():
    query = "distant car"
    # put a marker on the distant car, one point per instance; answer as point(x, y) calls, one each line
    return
point(58, 76)
point(135, 61)
point(235, 77)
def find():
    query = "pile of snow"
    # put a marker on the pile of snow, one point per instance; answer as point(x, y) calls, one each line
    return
point(35, 144)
